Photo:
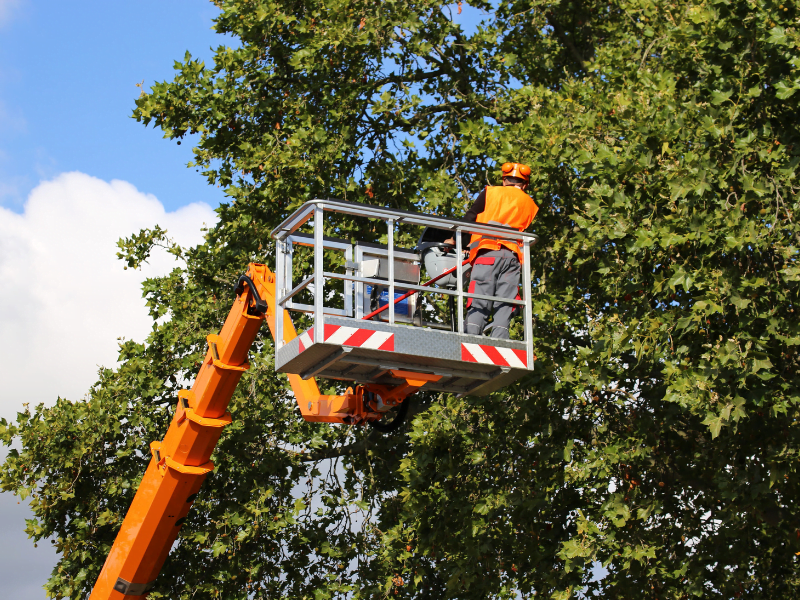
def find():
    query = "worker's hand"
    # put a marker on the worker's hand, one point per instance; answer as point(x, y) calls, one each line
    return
point(450, 241)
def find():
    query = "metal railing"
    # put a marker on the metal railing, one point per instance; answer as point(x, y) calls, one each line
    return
point(287, 236)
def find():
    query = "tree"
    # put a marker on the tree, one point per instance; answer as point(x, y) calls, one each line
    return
point(658, 434)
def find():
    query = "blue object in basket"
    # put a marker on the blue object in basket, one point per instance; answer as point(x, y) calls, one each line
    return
point(401, 308)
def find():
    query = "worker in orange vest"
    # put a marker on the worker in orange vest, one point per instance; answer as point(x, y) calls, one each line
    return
point(496, 263)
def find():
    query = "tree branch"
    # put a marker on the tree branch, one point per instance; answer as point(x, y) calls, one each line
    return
point(374, 440)
point(565, 40)
point(646, 53)
point(405, 79)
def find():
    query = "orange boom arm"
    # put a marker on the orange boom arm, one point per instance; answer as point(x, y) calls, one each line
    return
point(180, 462)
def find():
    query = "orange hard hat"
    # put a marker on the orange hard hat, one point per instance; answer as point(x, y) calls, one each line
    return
point(517, 170)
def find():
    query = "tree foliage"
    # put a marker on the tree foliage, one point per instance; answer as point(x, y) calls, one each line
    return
point(658, 435)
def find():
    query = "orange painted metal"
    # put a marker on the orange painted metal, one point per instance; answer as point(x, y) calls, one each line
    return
point(180, 462)
point(392, 396)
point(313, 406)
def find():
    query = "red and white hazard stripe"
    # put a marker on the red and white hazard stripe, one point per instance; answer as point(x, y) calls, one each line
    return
point(351, 336)
point(492, 355)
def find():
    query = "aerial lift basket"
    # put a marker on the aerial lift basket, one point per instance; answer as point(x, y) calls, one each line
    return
point(341, 345)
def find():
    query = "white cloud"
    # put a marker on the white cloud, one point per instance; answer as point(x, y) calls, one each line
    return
point(11, 119)
point(23, 568)
point(6, 8)
point(64, 296)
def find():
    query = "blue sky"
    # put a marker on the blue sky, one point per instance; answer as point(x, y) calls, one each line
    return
point(68, 75)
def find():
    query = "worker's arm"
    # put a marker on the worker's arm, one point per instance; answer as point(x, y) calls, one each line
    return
point(477, 207)
point(471, 216)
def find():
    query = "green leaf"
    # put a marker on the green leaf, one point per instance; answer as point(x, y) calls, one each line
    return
point(739, 302)
point(777, 36)
point(761, 363)
point(568, 450)
point(718, 97)
point(714, 424)
point(698, 15)
point(755, 91)
point(785, 91)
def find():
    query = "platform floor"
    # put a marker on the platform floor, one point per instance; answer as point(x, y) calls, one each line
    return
point(365, 351)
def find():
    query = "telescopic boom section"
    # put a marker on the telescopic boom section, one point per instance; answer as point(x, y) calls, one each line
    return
point(181, 461)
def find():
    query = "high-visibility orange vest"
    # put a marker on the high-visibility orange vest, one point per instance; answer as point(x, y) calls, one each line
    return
point(508, 206)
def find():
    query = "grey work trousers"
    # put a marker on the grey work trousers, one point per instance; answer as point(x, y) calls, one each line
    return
point(494, 273)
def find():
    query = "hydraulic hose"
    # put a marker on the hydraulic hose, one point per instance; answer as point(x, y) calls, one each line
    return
point(261, 305)
point(395, 423)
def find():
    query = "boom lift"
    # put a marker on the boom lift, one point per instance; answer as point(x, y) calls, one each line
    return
point(389, 354)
